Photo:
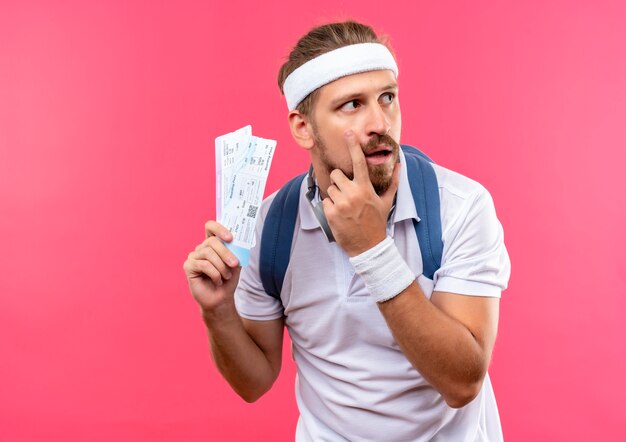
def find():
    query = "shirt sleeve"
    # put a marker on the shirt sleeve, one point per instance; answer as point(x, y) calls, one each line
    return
point(475, 261)
point(251, 300)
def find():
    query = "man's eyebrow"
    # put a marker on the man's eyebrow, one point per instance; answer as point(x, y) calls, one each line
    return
point(390, 86)
point(352, 95)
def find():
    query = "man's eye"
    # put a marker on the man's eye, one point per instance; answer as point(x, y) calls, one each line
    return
point(350, 105)
point(387, 98)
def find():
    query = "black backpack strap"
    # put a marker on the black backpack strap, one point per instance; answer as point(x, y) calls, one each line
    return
point(277, 236)
point(425, 190)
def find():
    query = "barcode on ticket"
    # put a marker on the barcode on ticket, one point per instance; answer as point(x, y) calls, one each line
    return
point(252, 211)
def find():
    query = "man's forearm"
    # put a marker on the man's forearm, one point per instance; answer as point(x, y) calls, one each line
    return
point(440, 347)
point(240, 360)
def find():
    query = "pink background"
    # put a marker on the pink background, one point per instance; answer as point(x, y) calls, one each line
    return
point(108, 111)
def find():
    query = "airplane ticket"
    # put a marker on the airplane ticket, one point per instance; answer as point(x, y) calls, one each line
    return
point(242, 163)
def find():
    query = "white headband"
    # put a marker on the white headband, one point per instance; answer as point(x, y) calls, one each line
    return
point(347, 60)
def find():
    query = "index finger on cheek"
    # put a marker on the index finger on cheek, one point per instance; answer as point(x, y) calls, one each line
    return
point(359, 163)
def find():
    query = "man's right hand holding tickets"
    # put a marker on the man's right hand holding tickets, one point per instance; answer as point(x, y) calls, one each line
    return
point(247, 353)
point(212, 270)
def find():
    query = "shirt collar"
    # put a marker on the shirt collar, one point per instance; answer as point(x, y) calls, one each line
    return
point(405, 205)
point(307, 217)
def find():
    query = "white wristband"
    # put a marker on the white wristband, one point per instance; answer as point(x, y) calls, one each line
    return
point(383, 270)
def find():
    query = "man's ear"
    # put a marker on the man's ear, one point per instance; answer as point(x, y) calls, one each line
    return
point(301, 129)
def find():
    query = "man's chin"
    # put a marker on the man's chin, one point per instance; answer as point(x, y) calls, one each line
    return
point(381, 180)
point(381, 176)
point(381, 188)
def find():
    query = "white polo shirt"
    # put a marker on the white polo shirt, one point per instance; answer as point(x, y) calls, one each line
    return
point(353, 381)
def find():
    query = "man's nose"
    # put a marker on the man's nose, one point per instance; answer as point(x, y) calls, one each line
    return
point(377, 122)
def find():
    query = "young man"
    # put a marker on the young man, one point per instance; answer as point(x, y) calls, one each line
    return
point(382, 351)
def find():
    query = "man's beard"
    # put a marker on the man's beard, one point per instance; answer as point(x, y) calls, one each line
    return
point(380, 175)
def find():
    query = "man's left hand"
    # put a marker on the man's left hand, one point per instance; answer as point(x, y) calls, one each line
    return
point(356, 214)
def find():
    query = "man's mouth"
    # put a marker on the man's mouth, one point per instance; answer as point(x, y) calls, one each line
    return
point(379, 154)
point(379, 151)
